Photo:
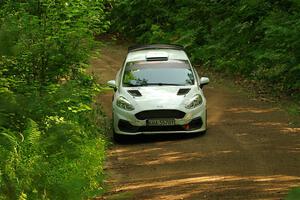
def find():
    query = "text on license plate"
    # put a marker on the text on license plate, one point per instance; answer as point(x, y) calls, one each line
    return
point(161, 122)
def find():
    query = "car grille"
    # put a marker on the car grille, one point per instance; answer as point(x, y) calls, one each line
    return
point(160, 128)
point(160, 114)
point(127, 127)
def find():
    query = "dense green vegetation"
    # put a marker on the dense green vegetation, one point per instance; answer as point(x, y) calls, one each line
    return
point(294, 194)
point(51, 132)
point(258, 39)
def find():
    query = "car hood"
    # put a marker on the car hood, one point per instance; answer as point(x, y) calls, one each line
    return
point(161, 97)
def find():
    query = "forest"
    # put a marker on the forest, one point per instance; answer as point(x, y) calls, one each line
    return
point(255, 39)
point(53, 133)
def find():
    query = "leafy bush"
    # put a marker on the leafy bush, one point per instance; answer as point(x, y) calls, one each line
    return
point(51, 132)
point(294, 194)
point(60, 155)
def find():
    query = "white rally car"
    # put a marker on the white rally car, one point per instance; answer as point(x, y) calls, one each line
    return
point(158, 91)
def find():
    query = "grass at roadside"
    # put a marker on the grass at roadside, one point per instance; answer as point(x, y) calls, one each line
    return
point(294, 194)
point(293, 109)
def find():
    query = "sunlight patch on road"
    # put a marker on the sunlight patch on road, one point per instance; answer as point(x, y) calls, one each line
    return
point(173, 157)
point(178, 182)
point(252, 110)
point(129, 150)
point(207, 179)
point(277, 124)
point(263, 185)
point(290, 130)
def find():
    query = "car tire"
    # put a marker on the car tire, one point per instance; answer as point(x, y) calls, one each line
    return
point(203, 132)
point(205, 120)
point(118, 138)
point(200, 133)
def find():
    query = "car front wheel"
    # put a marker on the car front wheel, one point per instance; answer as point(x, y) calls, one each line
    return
point(118, 137)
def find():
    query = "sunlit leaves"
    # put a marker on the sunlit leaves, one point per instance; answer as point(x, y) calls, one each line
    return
point(48, 129)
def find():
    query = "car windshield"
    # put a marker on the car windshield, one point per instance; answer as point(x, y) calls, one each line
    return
point(143, 73)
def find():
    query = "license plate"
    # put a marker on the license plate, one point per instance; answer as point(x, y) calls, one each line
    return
point(161, 122)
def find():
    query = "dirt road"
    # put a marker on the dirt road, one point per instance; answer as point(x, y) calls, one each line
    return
point(249, 152)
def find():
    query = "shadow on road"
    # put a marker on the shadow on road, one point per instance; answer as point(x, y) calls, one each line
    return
point(140, 139)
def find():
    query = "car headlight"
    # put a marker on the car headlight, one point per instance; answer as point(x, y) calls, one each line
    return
point(124, 104)
point(194, 102)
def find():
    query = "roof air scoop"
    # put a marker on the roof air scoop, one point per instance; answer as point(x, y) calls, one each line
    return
point(155, 46)
point(183, 91)
point(157, 56)
point(135, 93)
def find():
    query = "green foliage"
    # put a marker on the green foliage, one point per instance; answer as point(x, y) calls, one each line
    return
point(51, 137)
point(258, 38)
point(294, 194)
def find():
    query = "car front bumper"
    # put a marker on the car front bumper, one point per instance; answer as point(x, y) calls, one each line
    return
point(126, 123)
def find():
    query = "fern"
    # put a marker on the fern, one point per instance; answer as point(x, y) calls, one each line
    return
point(32, 134)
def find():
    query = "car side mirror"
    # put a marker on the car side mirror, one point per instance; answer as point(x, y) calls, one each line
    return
point(112, 84)
point(203, 81)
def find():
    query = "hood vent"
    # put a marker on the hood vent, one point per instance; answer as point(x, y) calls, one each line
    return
point(183, 91)
point(157, 59)
point(135, 93)
point(157, 56)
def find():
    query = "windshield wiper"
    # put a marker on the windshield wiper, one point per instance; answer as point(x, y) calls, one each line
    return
point(151, 84)
point(162, 84)
point(134, 85)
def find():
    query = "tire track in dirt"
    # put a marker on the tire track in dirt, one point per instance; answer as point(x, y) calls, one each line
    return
point(249, 152)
